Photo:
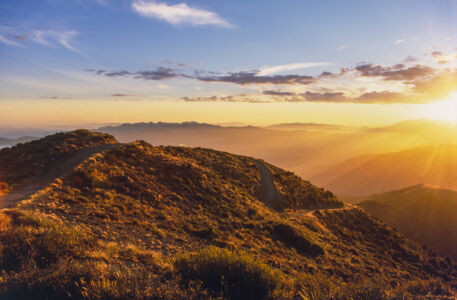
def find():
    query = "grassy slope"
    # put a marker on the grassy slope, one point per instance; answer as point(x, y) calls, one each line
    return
point(424, 213)
point(114, 226)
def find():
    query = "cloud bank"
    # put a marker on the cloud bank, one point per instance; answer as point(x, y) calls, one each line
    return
point(406, 82)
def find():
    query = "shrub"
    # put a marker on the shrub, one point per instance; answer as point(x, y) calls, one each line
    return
point(236, 275)
point(293, 237)
point(315, 287)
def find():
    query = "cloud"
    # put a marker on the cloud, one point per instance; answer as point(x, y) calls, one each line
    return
point(442, 58)
point(241, 78)
point(395, 72)
point(399, 41)
point(245, 78)
point(157, 74)
point(364, 83)
point(289, 67)
point(232, 98)
point(341, 48)
point(56, 97)
point(9, 36)
point(277, 93)
point(439, 86)
point(51, 37)
point(7, 41)
point(410, 59)
point(122, 95)
point(179, 13)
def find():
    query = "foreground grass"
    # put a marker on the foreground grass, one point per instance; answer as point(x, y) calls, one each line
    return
point(235, 275)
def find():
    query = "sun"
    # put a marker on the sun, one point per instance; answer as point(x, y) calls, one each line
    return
point(443, 110)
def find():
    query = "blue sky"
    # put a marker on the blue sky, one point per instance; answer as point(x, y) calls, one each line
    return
point(48, 46)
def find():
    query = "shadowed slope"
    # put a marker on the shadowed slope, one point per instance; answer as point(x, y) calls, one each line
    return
point(424, 213)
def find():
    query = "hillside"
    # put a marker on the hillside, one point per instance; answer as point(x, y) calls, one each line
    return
point(363, 175)
point(137, 221)
point(424, 213)
point(33, 161)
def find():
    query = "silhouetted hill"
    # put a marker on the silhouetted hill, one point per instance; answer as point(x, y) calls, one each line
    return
point(138, 221)
point(11, 142)
point(424, 213)
point(434, 165)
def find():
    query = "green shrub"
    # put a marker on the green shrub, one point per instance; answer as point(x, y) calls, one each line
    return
point(235, 275)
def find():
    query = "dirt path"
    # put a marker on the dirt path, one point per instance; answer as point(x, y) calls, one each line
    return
point(56, 171)
point(267, 189)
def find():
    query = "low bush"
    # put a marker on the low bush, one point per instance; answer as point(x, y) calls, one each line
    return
point(293, 237)
point(233, 274)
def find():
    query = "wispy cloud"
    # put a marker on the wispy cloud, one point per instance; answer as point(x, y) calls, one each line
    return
point(179, 13)
point(51, 37)
point(341, 48)
point(399, 41)
point(121, 95)
point(8, 41)
point(56, 98)
point(289, 67)
point(9, 36)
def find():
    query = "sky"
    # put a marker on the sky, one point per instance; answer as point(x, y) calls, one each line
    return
point(76, 62)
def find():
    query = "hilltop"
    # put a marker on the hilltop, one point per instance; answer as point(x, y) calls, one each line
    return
point(424, 213)
point(138, 221)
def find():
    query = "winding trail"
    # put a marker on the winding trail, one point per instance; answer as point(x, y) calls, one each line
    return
point(54, 172)
point(268, 193)
point(268, 190)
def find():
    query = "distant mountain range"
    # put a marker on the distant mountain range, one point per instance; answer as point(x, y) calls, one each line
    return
point(424, 213)
point(362, 175)
point(6, 142)
point(305, 148)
